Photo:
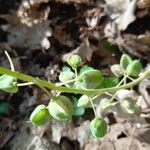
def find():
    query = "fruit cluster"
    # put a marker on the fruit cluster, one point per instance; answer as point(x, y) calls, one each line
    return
point(86, 80)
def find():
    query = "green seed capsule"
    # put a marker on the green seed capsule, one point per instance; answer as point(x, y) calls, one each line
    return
point(125, 61)
point(117, 70)
point(134, 68)
point(40, 115)
point(129, 106)
point(90, 79)
point(84, 101)
point(98, 127)
point(61, 108)
point(8, 84)
point(66, 75)
point(74, 61)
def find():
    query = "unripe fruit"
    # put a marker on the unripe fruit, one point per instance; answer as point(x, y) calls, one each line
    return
point(134, 68)
point(74, 61)
point(125, 61)
point(84, 101)
point(105, 103)
point(61, 108)
point(98, 127)
point(40, 115)
point(66, 76)
point(129, 106)
point(117, 70)
point(90, 79)
point(8, 84)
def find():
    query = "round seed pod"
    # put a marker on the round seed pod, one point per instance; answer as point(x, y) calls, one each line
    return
point(74, 61)
point(129, 106)
point(125, 61)
point(8, 84)
point(117, 70)
point(61, 108)
point(134, 68)
point(90, 79)
point(105, 103)
point(66, 75)
point(98, 127)
point(40, 115)
point(84, 101)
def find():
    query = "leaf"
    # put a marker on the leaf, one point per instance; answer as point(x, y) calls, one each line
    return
point(109, 82)
point(85, 68)
point(8, 84)
point(3, 107)
point(78, 111)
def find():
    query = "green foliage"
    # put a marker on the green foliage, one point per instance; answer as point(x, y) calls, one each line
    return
point(8, 84)
point(61, 108)
point(4, 106)
point(40, 115)
point(98, 127)
point(107, 82)
point(77, 110)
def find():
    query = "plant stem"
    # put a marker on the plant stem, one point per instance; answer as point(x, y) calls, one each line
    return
point(88, 92)
point(25, 84)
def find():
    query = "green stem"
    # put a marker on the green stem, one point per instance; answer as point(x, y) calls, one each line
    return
point(88, 92)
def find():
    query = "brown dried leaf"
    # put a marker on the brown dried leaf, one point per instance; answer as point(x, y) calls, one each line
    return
point(29, 37)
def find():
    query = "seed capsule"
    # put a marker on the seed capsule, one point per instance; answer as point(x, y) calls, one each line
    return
point(98, 127)
point(66, 75)
point(117, 70)
point(129, 106)
point(105, 103)
point(8, 84)
point(40, 115)
point(84, 101)
point(74, 61)
point(134, 68)
point(61, 108)
point(90, 79)
point(125, 61)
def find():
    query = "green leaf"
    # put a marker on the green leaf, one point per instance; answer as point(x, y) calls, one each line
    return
point(66, 68)
point(111, 48)
point(4, 106)
point(111, 81)
point(8, 84)
point(77, 111)
point(85, 68)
